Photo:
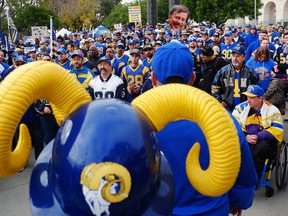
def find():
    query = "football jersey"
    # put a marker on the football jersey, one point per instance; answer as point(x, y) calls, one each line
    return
point(110, 88)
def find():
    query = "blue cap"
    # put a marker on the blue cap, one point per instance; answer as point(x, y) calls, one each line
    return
point(228, 33)
point(173, 59)
point(120, 44)
point(234, 30)
point(61, 50)
point(131, 42)
point(136, 40)
point(32, 50)
point(104, 58)
point(192, 39)
point(239, 49)
point(248, 26)
point(239, 26)
point(84, 32)
point(199, 40)
point(254, 91)
point(254, 27)
point(77, 54)
point(22, 58)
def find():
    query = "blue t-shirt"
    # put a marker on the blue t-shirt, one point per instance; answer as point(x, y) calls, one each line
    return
point(175, 141)
point(263, 69)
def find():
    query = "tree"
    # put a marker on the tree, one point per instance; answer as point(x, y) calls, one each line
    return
point(76, 14)
point(119, 14)
point(163, 10)
point(14, 6)
point(106, 6)
point(219, 11)
point(34, 16)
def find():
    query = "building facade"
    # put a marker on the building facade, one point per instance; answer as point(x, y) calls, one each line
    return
point(275, 11)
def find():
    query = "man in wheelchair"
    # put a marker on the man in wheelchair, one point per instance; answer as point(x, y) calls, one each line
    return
point(262, 125)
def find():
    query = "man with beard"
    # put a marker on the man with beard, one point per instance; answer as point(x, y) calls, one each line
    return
point(149, 53)
point(178, 16)
point(117, 65)
point(83, 74)
point(233, 79)
point(106, 85)
point(211, 65)
point(120, 48)
point(63, 60)
point(197, 61)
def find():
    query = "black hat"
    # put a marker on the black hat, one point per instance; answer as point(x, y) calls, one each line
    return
point(206, 51)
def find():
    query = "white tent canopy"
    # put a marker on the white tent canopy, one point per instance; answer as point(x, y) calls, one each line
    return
point(62, 32)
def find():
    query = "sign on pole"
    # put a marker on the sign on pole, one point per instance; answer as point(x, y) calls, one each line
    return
point(134, 14)
point(118, 26)
point(39, 31)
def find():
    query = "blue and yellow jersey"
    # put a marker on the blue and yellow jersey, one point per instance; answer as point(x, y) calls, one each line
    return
point(117, 66)
point(84, 76)
point(101, 47)
point(280, 56)
point(67, 64)
point(136, 76)
point(148, 63)
point(226, 51)
point(274, 38)
point(123, 58)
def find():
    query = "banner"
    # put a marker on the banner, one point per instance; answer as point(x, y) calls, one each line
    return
point(39, 31)
point(134, 13)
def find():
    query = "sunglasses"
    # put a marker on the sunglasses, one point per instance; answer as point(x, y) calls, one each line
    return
point(19, 64)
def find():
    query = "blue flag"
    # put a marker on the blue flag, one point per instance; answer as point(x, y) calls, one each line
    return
point(12, 32)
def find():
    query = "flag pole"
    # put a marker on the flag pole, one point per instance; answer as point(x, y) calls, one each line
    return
point(51, 36)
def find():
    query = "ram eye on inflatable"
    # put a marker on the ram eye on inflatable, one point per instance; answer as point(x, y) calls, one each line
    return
point(105, 157)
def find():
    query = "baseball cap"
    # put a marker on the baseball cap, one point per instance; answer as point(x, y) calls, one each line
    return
point(239, 26)
point(84, 32)
point(136, 40)
point(253, 27)
point(77, 54)
point(173, 60)
point(199, 40)
point(234, 30)
point(131, 42)
point(206, 50)
point(239, 49)
point(248, 26)
point(216, 34)
point(120, 44)
point(254, 91)
point(22, 58)
point(104, 58)
point(228, 33)
point(158, 42)
point(135, 51)
point(192, 39)
point(61, 50)
point(147, 47)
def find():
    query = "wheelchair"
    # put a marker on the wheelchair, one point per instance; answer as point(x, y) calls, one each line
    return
point(279, 164)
